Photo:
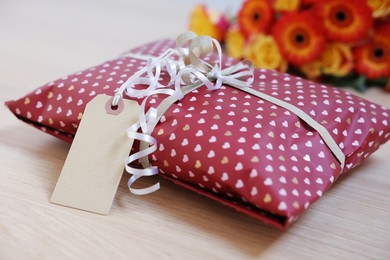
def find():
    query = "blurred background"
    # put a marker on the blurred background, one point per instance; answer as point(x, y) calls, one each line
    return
point(58, 37)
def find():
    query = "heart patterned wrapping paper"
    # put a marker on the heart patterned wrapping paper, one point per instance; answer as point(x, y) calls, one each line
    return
point(233, 147)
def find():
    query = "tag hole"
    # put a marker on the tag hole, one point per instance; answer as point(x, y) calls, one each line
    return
point(114, 109)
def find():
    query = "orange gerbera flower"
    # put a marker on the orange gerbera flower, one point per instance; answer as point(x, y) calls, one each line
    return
point(345, 21)
point(255, 16)
point(373, 58)
point(203, 22)
point(299, 37)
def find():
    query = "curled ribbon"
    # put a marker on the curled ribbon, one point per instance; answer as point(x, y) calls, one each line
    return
point(189, 71)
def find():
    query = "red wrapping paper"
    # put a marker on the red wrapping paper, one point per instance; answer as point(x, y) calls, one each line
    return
point(226, 144)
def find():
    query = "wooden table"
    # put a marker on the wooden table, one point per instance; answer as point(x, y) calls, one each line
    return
point(42, 40)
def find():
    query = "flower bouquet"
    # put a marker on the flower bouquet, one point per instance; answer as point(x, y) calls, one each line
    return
point(342, 43)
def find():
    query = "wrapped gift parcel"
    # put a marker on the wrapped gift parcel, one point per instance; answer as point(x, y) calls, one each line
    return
point(269, 148)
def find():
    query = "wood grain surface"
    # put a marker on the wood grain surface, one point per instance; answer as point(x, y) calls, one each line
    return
point(42, 40)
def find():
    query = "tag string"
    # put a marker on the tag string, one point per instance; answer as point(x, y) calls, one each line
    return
point(188, 70)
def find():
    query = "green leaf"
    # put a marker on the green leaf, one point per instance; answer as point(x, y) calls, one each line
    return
point(360, 84)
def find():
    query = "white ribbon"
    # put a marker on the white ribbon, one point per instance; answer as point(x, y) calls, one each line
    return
point(188, 69)
point(188, 72)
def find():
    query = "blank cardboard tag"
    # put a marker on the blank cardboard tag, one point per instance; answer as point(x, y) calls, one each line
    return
point(95, 163)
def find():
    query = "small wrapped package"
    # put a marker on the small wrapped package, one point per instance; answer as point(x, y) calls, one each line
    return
point(268, 145)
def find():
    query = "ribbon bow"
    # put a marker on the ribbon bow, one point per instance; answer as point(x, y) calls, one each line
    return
point(198, 70)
